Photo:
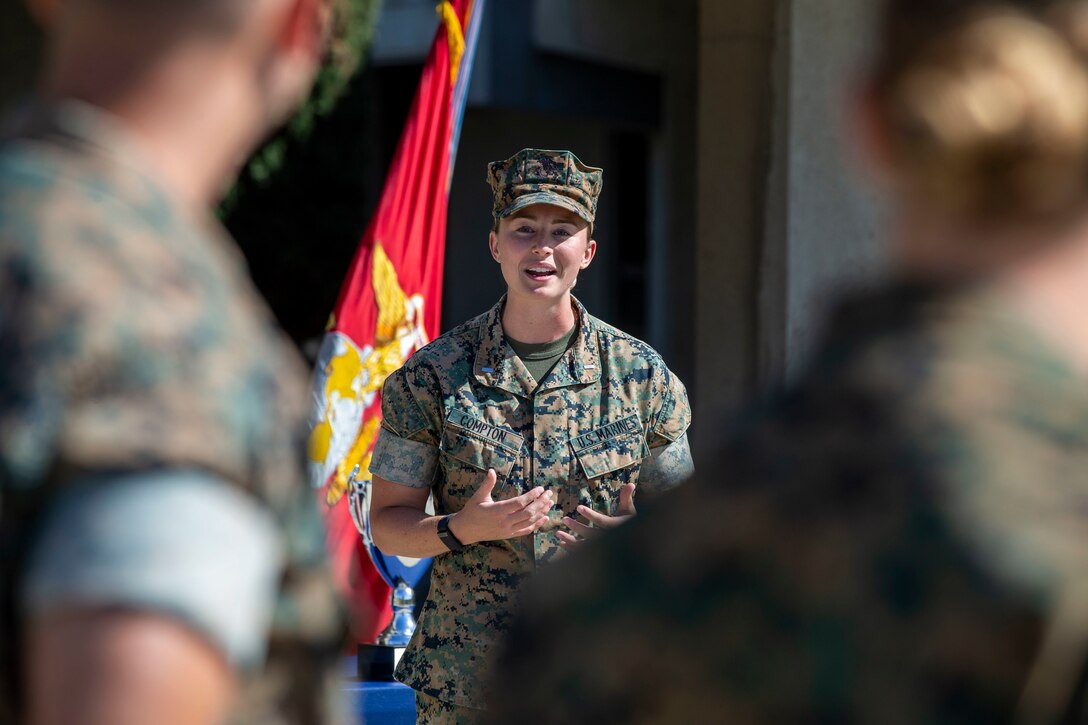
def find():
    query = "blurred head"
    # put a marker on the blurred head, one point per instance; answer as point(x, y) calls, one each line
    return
point(118, 48)
point(981, 107)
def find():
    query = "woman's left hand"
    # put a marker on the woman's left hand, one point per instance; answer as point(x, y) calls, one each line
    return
point(579, 532)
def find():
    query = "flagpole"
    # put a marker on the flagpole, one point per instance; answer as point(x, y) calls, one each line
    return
point(464, 78)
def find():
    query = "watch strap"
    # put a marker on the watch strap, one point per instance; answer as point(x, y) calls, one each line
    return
point(448, 538)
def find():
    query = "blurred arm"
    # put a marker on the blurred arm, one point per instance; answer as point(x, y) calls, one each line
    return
point(143, 596)
point(97, 666)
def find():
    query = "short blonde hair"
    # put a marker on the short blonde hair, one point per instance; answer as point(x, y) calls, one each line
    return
point(986, 103)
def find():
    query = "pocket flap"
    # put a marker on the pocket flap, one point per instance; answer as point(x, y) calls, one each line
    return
point(610, 447)
point(480, 444)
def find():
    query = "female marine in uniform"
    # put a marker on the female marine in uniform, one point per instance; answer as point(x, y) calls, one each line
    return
point(530, 425)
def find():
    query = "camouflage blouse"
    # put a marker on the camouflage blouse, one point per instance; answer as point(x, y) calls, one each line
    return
point(604, 416)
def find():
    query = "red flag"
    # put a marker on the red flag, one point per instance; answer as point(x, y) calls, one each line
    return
point(389, 305)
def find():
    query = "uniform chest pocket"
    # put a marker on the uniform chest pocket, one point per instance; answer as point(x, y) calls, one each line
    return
point(610, 447)
point(479, 444)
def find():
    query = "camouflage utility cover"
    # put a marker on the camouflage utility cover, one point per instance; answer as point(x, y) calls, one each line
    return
point(537, 176)
point(899, 538)
point(465, 403)
point(134, 340)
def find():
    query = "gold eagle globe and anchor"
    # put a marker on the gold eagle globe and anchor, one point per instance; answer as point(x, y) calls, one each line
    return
point(347, 417)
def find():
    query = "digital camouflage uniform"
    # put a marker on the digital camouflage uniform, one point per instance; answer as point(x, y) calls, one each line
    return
point(133, 340)
point(610, 412)
point(901, 537)
point(464, 404)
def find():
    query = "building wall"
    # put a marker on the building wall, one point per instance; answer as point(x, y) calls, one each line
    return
point(824, 226)
point(736, 103)
point(785, 222)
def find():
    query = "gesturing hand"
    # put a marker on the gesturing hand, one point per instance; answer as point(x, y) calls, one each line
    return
point(484, 519)
point(597, 520)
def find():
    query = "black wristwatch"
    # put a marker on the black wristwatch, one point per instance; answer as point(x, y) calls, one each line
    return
point(452, 543)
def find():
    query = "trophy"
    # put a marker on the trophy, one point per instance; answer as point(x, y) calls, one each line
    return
point(403, 574)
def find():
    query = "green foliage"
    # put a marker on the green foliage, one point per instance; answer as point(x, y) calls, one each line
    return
point(352, 26)
point(299, 223)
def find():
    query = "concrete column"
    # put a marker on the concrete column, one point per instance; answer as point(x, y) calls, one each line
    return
point(784, 221)
point(823, 223)
point(736, 102)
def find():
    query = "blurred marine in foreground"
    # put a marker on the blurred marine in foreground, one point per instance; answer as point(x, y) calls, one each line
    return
point(160, 559)
point(902, 536)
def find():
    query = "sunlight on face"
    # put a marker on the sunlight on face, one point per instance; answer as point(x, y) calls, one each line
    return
point(541, 249)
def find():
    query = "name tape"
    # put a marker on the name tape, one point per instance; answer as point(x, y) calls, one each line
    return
point(606, 433)
point(489, 432)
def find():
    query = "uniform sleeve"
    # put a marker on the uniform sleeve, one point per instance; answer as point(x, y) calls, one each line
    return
point(111, 547)
point(669, 463)
point(673, 417)
point(407, 448)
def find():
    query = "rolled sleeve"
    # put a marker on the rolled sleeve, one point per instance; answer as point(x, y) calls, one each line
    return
point(667, 466)
point(182, 543)
point(406, 451)
point(403, 461)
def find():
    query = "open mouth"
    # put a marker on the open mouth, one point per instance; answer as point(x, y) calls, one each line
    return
point(540, 272)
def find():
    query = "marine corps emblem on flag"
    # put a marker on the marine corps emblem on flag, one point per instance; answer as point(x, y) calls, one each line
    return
point(347, 380)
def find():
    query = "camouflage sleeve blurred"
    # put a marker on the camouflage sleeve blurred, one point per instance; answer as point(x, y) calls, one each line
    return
point(301, 681)
point(133, 340)
point(31, 397)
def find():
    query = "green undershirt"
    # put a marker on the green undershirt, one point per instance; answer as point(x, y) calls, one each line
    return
point(540, 357)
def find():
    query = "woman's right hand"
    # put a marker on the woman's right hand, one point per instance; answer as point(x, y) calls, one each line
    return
point(484, 519)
